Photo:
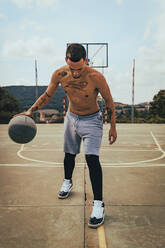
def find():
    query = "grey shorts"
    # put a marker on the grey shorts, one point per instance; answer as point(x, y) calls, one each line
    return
point(88, 128)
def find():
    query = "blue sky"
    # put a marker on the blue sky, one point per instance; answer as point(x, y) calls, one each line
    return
point(40, 29)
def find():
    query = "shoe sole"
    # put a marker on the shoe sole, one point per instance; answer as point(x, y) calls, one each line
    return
point(66, 196)
point(97, 225)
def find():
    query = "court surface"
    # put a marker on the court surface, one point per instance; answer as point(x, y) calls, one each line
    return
point(31, 215)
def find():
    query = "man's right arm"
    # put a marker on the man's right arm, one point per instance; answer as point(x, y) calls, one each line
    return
point(104, 90)
point(45, 97)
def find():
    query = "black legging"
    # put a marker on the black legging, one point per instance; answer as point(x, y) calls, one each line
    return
point(69, 163)
point(95, 172)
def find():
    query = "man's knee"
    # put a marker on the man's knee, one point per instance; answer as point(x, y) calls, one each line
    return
point(69, 157)
point(92, 159)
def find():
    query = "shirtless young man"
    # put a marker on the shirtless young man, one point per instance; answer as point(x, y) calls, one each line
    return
point(83, 121)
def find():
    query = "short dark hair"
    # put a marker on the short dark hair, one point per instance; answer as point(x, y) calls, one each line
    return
point(75, 52)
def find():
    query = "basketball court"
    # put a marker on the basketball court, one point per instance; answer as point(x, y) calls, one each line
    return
point(134, 191)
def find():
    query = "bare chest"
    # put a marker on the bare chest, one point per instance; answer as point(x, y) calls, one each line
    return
point(82, 87)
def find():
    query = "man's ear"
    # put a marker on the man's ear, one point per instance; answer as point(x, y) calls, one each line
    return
point(86, 61)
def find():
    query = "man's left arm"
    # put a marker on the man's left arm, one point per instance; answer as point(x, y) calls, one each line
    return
point(106, 94)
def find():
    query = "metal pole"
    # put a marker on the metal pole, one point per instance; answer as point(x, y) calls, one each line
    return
point(36, 79)
point(103, 68)
point(87, 53)
point(107, 53)
point(133, 84)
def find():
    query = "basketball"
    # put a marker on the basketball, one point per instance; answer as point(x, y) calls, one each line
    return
point(22, 129)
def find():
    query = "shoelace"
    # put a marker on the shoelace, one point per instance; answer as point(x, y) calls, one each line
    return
point(98, 211)
point(65, 186)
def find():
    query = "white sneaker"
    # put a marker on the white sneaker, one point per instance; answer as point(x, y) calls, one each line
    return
point(65, 189)
point(97, 216)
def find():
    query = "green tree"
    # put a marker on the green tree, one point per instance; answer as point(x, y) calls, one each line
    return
point(8, 105)
point(157, 109)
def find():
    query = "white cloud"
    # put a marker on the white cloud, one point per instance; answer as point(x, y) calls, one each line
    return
point(3, 16)
point(34, 3)
point(150, 62)
point(149, 65)
point(119, 2)
point(34, 47)
point(149, 30)
point(152, 56)
point(23, 3)
point(32, 25)
point(161, 2)
point(120, 83)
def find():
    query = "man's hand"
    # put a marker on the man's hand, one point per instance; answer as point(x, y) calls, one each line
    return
point(112, 135)
point(28, 113)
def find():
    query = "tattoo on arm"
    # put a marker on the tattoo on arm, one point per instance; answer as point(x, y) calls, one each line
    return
point(47, 94)
point(40, 102)
point(43, 101)
point(109, 113)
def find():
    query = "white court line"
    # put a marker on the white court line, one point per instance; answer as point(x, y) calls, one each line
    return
point(103, 163)
point(102, 149)
point(156, 142)
point(33, 160)
point(80, 166)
